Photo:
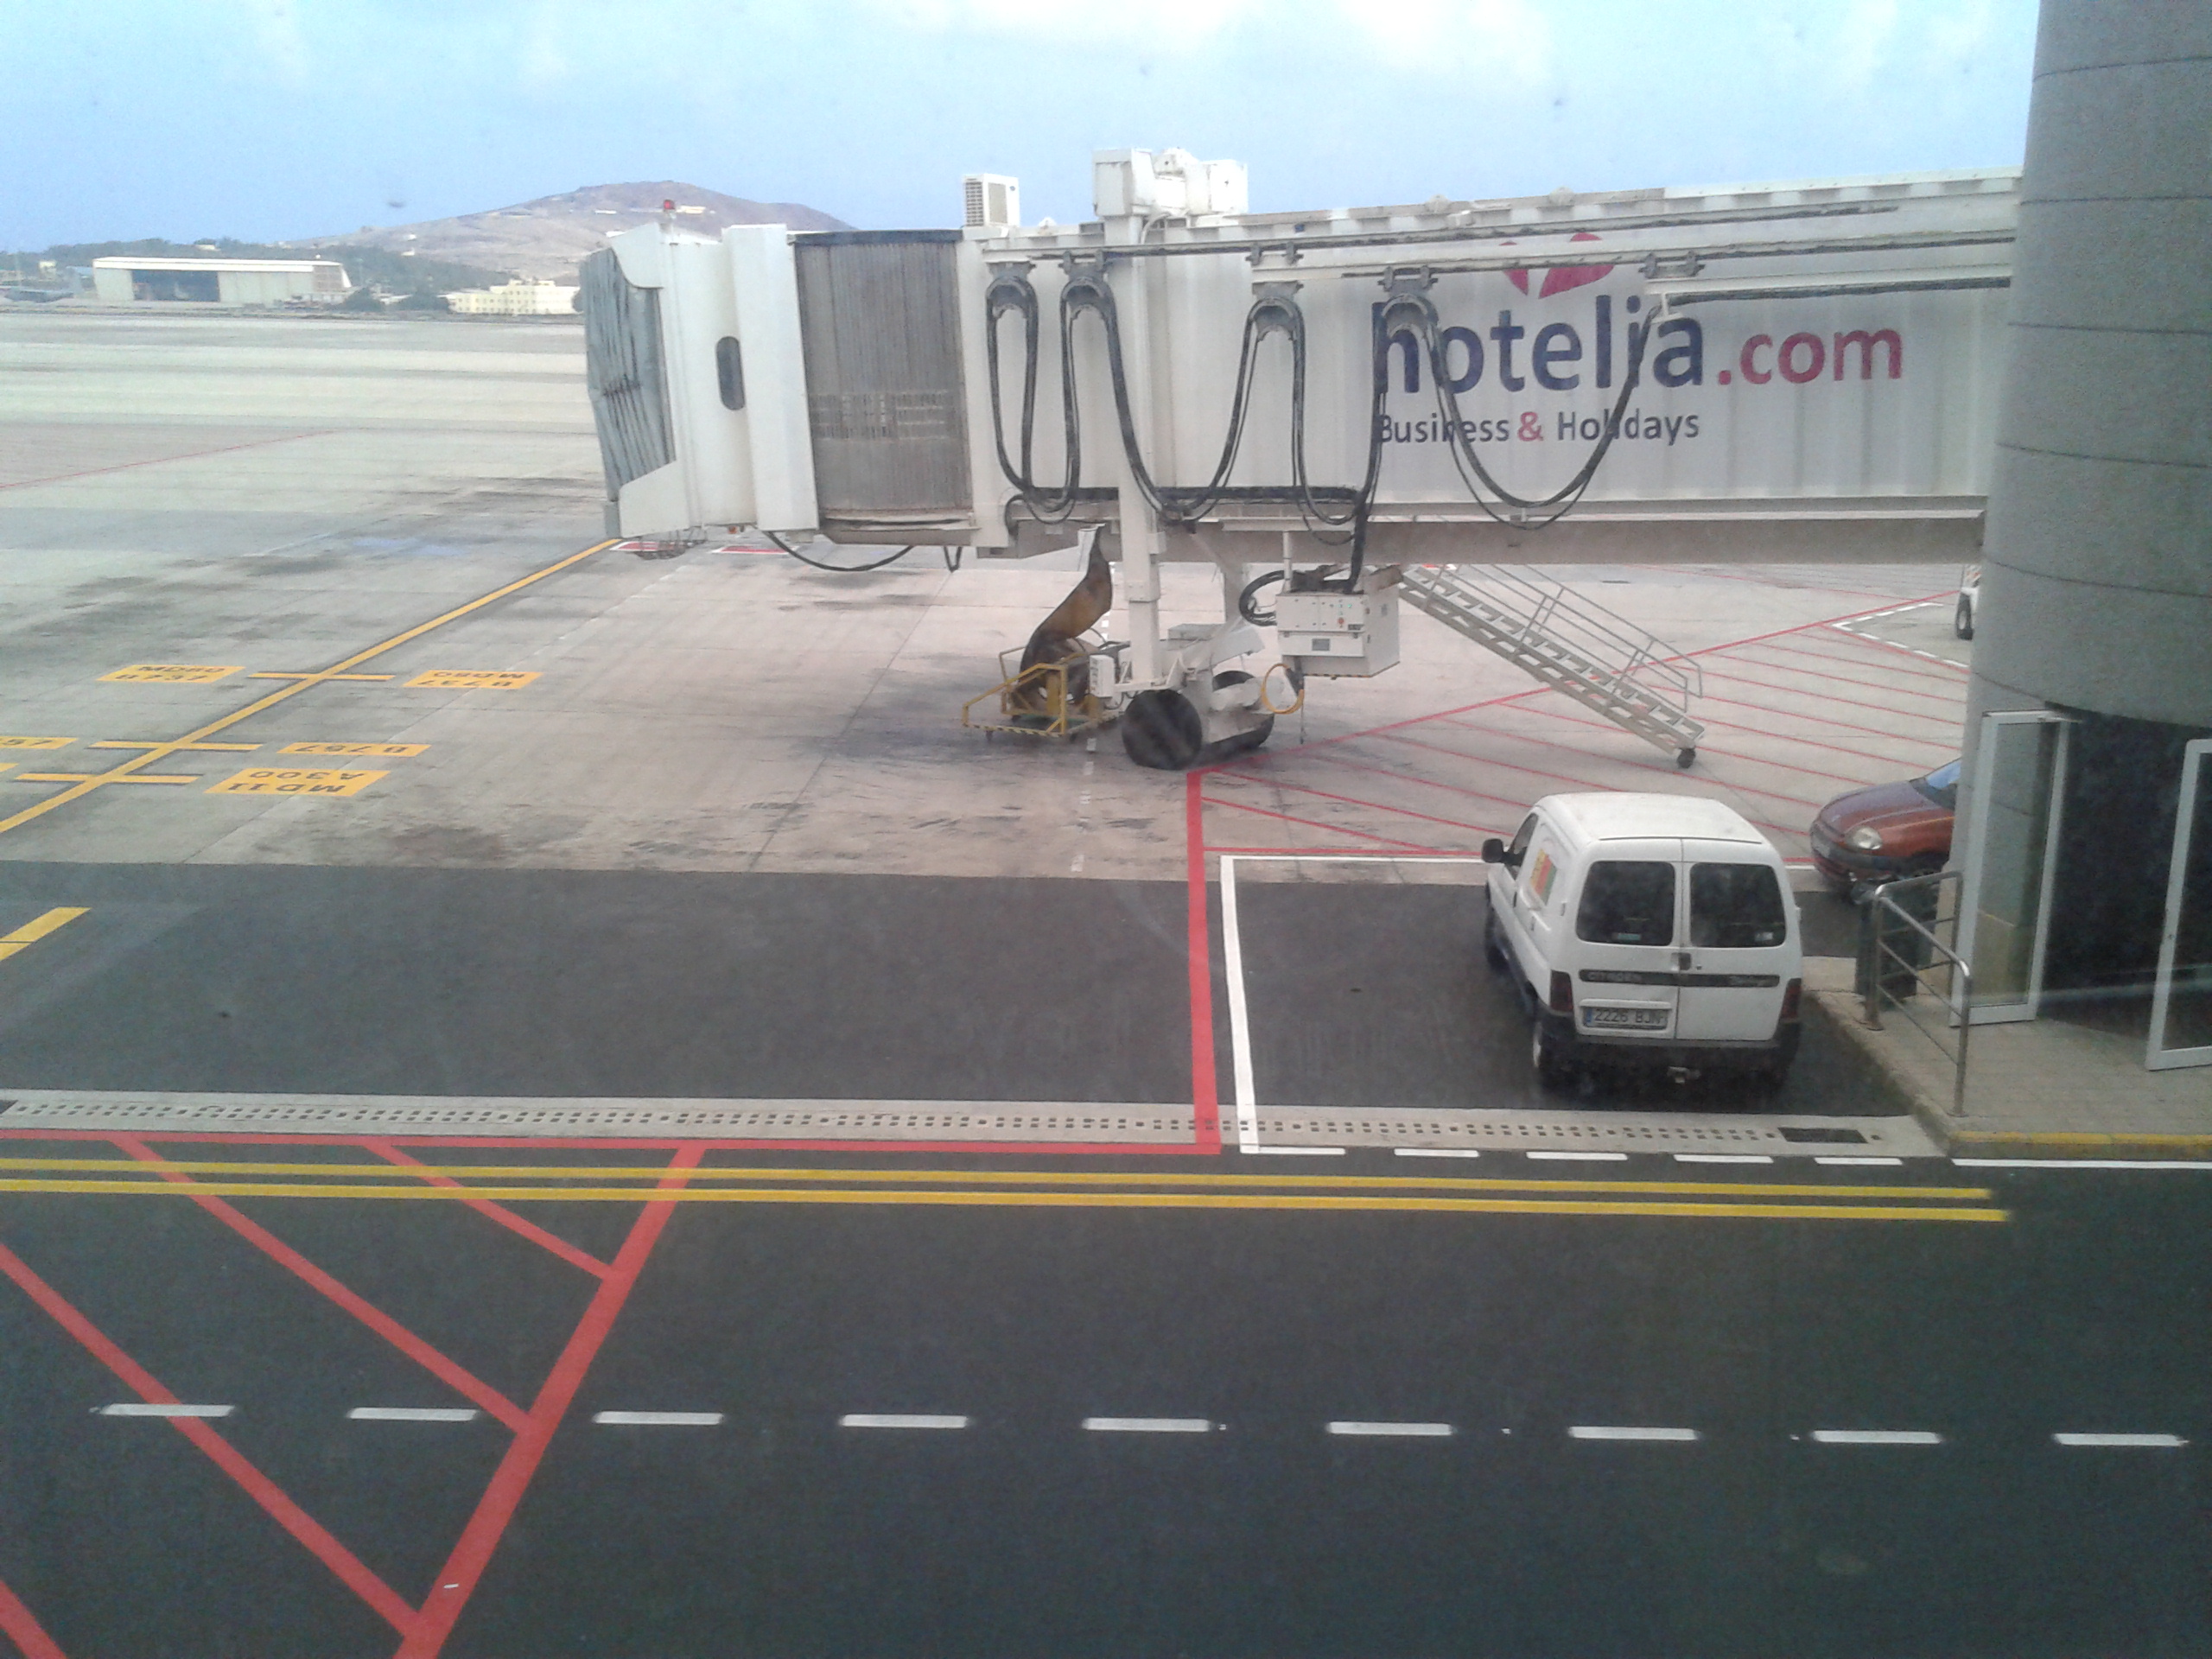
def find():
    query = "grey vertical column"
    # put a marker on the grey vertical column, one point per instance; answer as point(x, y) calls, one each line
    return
point(2097, 564)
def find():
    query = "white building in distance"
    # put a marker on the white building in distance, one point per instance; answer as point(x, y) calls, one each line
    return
point(125, 280)
point(538, 299)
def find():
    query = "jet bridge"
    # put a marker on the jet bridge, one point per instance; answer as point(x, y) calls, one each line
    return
point(1330, 406)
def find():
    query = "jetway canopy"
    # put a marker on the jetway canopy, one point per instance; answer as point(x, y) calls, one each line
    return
point(1810, 368)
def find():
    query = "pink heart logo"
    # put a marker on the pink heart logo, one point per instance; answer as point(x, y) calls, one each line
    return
point(1559, 278)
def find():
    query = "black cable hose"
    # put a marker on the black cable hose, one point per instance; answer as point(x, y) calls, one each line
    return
point(841, 570)
point(1244, 606)
point(1185, 507)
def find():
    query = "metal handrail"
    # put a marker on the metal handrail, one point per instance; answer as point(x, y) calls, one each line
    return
point(1876, 953)
point(1540, 604)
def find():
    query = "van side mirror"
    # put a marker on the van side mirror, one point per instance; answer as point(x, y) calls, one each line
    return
point(1493, 851)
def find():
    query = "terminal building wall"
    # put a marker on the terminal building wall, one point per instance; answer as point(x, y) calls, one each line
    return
point(2097, 573)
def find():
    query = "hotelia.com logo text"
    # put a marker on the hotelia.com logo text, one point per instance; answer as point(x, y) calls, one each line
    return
point(1556, 360)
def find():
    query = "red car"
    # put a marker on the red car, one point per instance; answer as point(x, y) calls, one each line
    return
point(1886, 832)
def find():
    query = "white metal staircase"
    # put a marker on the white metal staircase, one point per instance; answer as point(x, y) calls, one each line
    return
point(1573, 644)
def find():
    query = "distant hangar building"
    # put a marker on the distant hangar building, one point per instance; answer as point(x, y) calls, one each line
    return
point(122, 280)
point(524, 299)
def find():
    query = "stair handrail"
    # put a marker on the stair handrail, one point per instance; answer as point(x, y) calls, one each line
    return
point(1630, 656)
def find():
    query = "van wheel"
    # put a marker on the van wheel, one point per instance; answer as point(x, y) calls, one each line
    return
point(1493, 946)
point(1554, 1069)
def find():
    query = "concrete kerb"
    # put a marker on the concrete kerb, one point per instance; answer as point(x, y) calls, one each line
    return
point(1911, 1062)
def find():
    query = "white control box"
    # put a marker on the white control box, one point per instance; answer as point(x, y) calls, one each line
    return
point(1338, 636)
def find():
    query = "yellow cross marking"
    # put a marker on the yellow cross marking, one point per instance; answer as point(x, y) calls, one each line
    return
point(86, 785)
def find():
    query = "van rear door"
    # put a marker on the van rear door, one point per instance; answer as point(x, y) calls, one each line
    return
point(1624, 930)
point(1739, 951)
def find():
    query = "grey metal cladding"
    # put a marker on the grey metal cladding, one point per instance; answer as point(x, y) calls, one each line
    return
point(624, 372)
point(880, 314)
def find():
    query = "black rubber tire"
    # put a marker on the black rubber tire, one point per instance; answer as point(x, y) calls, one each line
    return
point(1963, 619)
point(1553, 1070)
point(1244, 742)
point(1162, 730)
point(1494, 951)
point(1685, 758)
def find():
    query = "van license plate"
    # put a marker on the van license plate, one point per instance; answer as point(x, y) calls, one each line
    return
point(1626, 1019)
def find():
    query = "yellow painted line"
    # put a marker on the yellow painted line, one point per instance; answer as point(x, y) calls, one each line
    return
point(380, 751)
point(36, 928)
point(36, 742)
point(326, 674)
point(173, 673)
point(456, 679)
point(1036, 1177)
point(101, 776)
point(1004, 1177)
point(1320, 1201)
point(118, 743)
point(279, 780)
point(336, 671)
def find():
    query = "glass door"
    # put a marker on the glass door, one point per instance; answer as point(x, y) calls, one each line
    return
point(2180, 1001)
point(2011, 840)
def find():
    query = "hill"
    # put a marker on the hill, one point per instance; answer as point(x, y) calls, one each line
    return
point(547, 238)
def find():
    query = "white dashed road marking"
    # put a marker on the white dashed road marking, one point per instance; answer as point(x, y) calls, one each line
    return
point(136, 1409)
point(414, 1414)
point(898, 1420)
point(1722, 1158)
point(1437, 1152)
point(1149, 1425)
point(1597, 1431)
point(1876, 1437)
point(658, 1419)
point(1862, 1163)
point(1582, 1157)
point(2162, 1442)
point(1421, 1431)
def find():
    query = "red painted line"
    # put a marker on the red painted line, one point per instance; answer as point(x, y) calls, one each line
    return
point(1807, 627)
point(160, 460)
point(577, 1142)
point(1344, 764)
point(1580, 783)
point(1823, 720)
point(464, 1569)
point(1951, 693)
point(1828, 697)
point(24, 1630)
point(1205, 1080)
point(1729, 575)
point(461, 1381)
point(1703, 751)
point(367, 1585)
point(1270, 781)
point(1333, 853)
point(1664, 771)
point(1329, 828)
point(1892, 644)
point(1949, 679)
point(1814, 742)
point(499, 1212)
point(1376, 731)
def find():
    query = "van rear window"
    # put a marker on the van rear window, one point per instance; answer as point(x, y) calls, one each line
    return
point(1627, 901)
point(1736, 907)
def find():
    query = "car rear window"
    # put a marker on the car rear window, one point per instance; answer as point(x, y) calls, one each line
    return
point(1736, 907)
point(1627, 901)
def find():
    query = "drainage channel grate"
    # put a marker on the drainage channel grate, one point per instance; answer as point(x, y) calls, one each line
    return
point(761, 1120)
point(1539, 1131)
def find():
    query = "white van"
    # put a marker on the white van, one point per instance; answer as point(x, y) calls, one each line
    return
point(1648, 931)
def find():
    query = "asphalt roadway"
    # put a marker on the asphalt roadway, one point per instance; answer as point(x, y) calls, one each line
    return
point(702, 827)
point(916, 1424)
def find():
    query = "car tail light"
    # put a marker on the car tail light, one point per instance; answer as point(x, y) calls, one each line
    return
point(1562, 994)
point(1791, 995)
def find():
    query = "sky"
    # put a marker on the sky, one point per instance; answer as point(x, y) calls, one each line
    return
point(277, 119)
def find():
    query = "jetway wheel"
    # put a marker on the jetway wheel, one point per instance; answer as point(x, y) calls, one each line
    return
point(1162, 730)
point(1258, 734)
point(1685, 758)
